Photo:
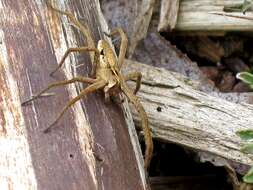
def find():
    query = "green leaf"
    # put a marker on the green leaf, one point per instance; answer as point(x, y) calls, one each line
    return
point(245, 134)
point(247, 148)
point(248, 178)
point(245, 77)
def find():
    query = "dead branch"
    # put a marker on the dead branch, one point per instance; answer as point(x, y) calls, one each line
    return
point(180, 114)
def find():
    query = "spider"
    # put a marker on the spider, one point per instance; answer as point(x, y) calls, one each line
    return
point(106, 76)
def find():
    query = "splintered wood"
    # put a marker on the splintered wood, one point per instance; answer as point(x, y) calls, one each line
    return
point(180, 114)
point(141, 24)
point(208, 15)
point(168, 15)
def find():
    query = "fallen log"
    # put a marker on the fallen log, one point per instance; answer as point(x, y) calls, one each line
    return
point(208, 16)
point(180, 114)
point(168, 15)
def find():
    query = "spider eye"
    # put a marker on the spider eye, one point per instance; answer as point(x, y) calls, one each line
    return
point(102, 52)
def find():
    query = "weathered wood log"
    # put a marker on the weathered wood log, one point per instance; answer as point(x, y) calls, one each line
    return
point(141, 24)
point(154, 49)
point(180, 114)
point(197, 15)
point(91, 147)
point(168, 15)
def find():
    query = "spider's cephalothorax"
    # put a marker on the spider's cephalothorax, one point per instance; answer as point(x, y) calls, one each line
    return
point(107, 70)
point(107, 77)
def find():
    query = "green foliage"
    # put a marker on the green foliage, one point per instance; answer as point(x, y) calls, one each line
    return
point(247, 135)
point(248, 148)
point(241, 7)
point(246, 77)
point(248, 178)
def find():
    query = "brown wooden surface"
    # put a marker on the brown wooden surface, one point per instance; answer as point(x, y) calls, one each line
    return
point(90, 148)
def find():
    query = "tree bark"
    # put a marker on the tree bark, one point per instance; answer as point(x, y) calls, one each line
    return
point(94, 145)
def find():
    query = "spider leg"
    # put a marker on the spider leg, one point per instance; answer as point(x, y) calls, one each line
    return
point(107, 96)
point(77, 49)
point(144, 123)
point(85, 31)
point(137, 76)
point(60, 83)
point(91, 88)
point(123, 45)
point(77, 23)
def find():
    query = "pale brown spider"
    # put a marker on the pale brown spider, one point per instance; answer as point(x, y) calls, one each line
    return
point(106, 68)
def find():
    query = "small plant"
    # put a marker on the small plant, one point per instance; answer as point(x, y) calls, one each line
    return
point(247, 135)
point(241, 7)
point(246, 77)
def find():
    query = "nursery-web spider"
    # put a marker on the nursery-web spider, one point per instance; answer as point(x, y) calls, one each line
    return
point(106, 68)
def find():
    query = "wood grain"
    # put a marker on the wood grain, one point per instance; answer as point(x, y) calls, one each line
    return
point(168, 15)
point(90, 148)
point(197, 15)
point(181, 114)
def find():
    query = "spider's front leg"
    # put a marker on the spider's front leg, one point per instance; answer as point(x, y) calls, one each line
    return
point(60, 83)
point(91, 88)
point(79, 49)
point(123, 45)
point(94, 85)
point(84, 30)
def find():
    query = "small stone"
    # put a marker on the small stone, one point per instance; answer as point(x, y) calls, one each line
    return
point(236, 65)
point(212, 73)
point(227, 82)
point(241, 87)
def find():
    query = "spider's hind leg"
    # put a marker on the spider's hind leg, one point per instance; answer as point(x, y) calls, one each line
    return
point(77, 49)
point(137, 76)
